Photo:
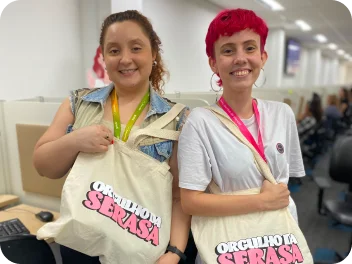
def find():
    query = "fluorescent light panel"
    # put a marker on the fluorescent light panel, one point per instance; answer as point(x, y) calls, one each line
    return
point(332, 46)
point(347, 57)
point(340, 52)
point(303, 25)
point(321, 38)
point(272, 4)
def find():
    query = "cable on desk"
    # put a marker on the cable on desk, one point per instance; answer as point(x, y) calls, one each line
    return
point(24, 210)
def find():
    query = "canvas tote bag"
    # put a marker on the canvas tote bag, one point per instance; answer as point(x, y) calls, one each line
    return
point(256, 238)
point(117, 205)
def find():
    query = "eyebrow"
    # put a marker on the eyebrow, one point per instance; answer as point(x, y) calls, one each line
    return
point(246, 42)
point(110, 44)
point(135, 40)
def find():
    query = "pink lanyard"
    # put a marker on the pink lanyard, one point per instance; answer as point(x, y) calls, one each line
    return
point(242, 127)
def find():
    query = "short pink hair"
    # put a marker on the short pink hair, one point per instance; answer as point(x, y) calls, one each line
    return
point(97, 67)
point(231, 21)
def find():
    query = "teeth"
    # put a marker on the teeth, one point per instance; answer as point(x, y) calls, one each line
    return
point(127, 71)
point(241, 73)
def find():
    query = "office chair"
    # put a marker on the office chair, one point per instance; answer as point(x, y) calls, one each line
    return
point(340, 170)
point(26, 249)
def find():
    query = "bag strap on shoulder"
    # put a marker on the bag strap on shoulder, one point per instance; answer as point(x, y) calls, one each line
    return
point(262, 166)
point(155, 129)
point(167, 117)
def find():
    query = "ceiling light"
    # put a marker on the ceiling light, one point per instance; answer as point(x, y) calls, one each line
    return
point(332, 46)
point(347, 57)
point(321, 38)
point(272, 4)
point(303, 25)
point(340, 52)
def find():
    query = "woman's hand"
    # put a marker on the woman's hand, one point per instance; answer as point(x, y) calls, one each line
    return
point(274, 196)
point(168, 258)
point(91, 139)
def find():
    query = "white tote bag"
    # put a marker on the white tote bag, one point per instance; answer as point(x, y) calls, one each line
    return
point(256, 238)
point(117, 205)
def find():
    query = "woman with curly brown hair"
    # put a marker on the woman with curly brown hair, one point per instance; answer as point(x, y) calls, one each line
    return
point(91, 119)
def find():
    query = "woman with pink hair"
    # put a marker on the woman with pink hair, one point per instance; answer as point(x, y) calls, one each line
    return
point(209, 153)
point(98, 77)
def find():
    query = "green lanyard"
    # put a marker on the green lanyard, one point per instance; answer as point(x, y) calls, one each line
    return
point(133, 119)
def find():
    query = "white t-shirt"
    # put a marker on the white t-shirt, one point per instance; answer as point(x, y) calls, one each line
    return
point(252, 126)
point(208, 150)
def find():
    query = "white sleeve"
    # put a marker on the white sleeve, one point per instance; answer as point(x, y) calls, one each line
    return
point(193, 160)
point(294, 154)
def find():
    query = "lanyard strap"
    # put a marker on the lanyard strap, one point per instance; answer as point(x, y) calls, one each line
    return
point(133, 119)
point(242, 127)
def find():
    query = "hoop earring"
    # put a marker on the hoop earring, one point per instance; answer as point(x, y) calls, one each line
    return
point(263, 82)
point(155, 63)
point(211, 84)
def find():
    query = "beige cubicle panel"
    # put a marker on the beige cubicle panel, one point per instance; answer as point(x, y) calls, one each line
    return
point(301, 107)
point(27, 137)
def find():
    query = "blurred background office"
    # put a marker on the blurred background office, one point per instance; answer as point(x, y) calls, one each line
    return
point(47, 47)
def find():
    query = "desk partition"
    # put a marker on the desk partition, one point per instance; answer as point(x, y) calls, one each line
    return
point(24, 123)
point(27, 137)
point(4, 168)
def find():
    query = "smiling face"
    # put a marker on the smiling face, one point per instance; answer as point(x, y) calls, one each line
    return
point(128, 55)
point(238, 60)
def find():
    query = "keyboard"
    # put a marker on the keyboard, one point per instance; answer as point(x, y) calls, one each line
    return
point(12, 227)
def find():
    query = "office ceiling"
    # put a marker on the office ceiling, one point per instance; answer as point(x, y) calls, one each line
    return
point(326, 17)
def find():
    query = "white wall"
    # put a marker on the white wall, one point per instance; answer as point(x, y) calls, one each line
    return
point(314, 67)
point(123, 5)
point(348, 79)
point(330, 72)
point(40, 49)
point(342, 72)
point(325, 71)
point(304, 68)
point(274, 67)
point(182, 26)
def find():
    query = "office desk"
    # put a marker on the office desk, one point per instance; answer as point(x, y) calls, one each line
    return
point(26, 214)
point(7, 199)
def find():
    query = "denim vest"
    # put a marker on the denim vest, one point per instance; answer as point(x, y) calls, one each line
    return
point(88, 108)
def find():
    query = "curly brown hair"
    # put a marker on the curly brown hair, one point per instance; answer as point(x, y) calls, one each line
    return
point(158, 70)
